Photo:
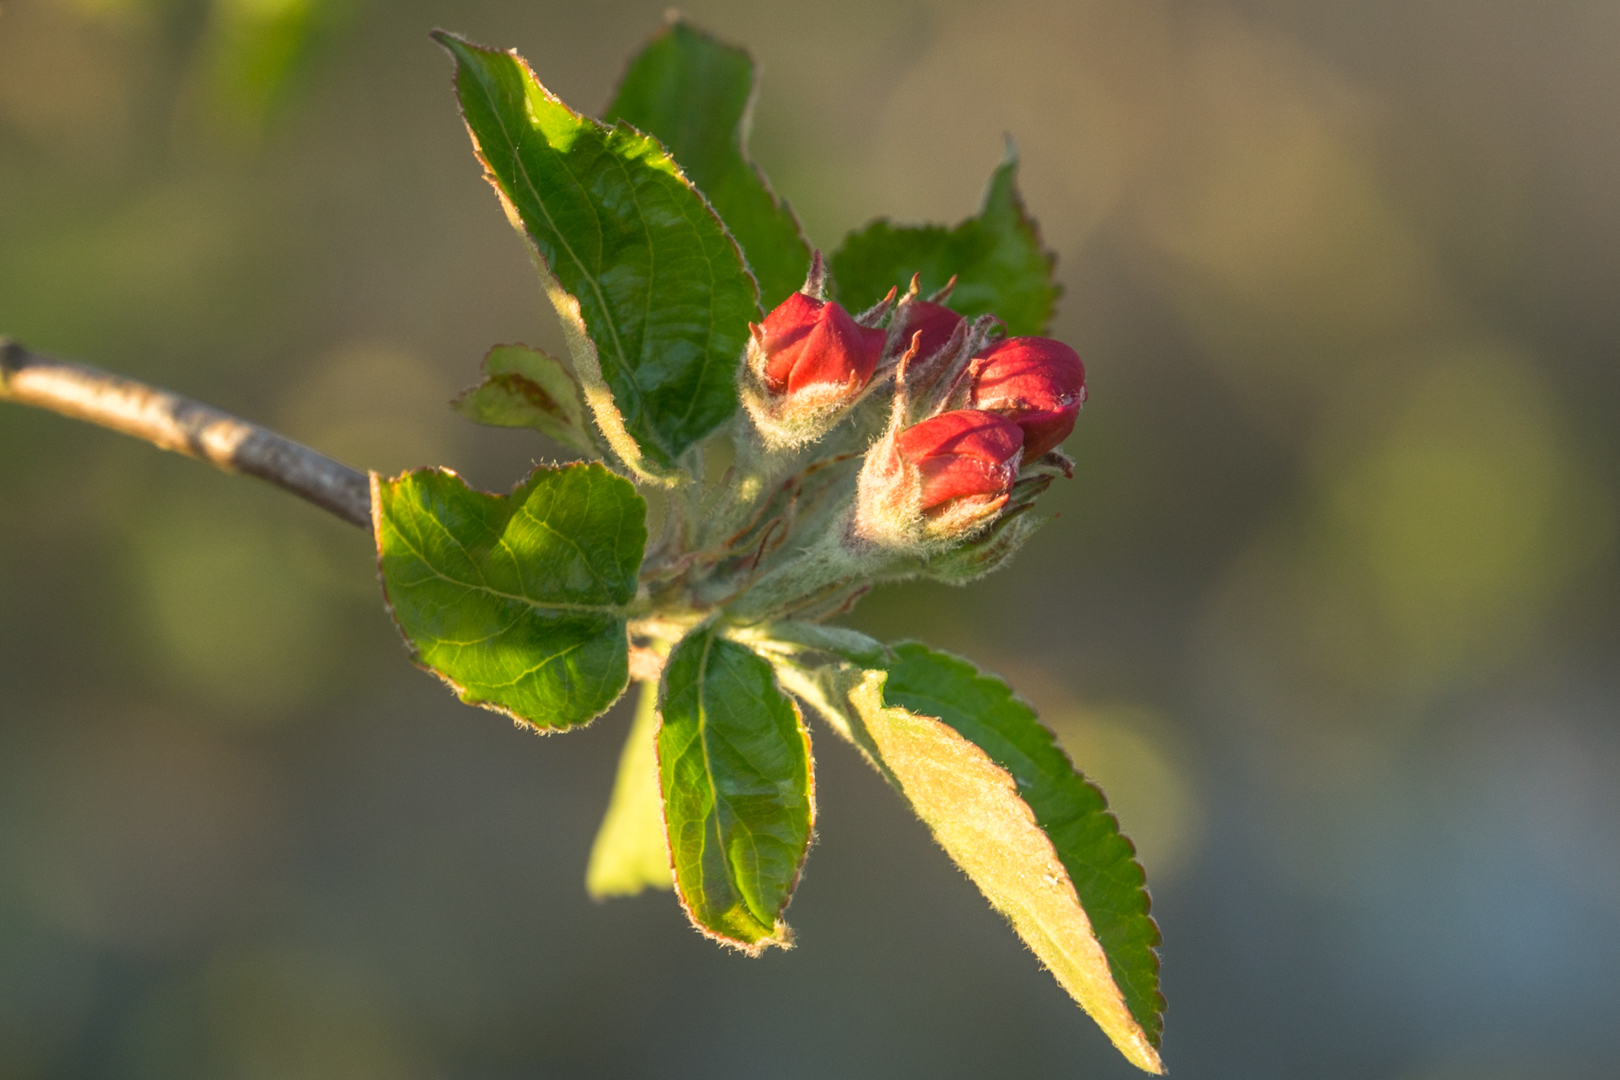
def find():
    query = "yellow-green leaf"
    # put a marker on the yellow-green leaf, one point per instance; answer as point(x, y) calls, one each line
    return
point(630, 853)
point(1007, 805)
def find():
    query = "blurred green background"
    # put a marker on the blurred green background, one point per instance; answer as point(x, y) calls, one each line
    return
point(1331, 610)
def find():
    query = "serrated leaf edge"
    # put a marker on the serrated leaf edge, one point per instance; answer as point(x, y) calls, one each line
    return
point(826, 687)
point(1061, 920)
point(978, 674)
point(1009, 159)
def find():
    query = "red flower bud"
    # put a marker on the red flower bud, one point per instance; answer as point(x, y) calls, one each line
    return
point(965, 453)
point(1036, 382)
point(935, 322)
point(810, 342)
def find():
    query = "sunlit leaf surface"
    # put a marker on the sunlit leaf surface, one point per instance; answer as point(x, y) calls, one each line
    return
point(660, 286)
point(735, 764)
point(695, 95)
point(1072, 812)
point(517, 601)
point(1006, 803)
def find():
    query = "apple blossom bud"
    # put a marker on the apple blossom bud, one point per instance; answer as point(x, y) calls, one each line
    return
point(935, 322)
point(1036, 382)
point(964, 454)
point(815, 346)
point(933, 484)
point(805, 366)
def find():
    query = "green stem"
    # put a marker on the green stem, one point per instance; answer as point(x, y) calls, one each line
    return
point(821, 567)
point(754, 472)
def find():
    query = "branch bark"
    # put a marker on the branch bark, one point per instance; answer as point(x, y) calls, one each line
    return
point(172, 422)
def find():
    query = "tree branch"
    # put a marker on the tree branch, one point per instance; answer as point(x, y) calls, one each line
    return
point(172, 422)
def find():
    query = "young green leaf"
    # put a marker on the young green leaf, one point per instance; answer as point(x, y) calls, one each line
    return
point(696, 96)
point(630, 853)
point(734, 759)
point(997, 258)
point(1072, 812)
point(517, 601)
point(524, 387)
point(653, 292)
point(1005, 802)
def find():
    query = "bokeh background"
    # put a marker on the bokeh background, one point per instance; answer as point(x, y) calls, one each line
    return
point(1331, 608)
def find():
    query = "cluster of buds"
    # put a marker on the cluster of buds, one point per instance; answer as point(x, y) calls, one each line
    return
point(956, 427)
point(969, 416)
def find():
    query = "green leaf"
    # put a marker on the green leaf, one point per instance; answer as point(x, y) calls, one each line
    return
point(524, 387)
point(1069, 809)
point(734, 759)
point(653, 292)
point(696, 96)
point(1000, 266)
point(1006, 803)
point(630, 853)
point(517, 601)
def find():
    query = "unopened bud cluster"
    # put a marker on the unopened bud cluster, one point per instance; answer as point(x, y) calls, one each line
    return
point(911, 439)
point(968, 413)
